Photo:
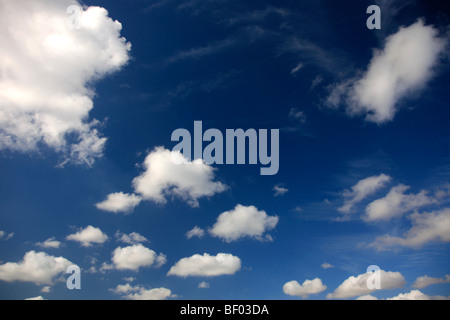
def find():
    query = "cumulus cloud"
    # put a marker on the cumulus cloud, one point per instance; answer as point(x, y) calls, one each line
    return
point(417, 295)
point(425, 281)
point(36, 267)
point(140, 293)
point(195, 232)
point(88, 236)
point(293, 288)
point(242, 222)
point(367, 297)
point(135, 257)
point(362, 190)
point(358, 286)
point(49, 243)
point(119, 202)
point(426, 227)
point(46, 75)
point(403, 67)
point(206, 265)
point(396, 203)
point(132, 238)
point(167, 174)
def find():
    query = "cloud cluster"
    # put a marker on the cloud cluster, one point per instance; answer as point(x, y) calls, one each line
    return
point(36, 267)
point(293, 288)
point(206, 265)
point(403, 67)
point(167, 174)
point(140, 293)
point(243, 221)
point(46, 73)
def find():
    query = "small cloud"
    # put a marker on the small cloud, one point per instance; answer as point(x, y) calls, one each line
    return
point(279, 190)
point(297, 115)
point(297, 68)
point(49, 243)
point(88, 236)
point(206, 266)
point(132, 238)
point(203, 285)
point(195, 232)
point(326, 265)
point(293, 288)
point(5, 236)
point(46, 289)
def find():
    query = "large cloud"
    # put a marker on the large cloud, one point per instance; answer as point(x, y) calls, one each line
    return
point(206, 265)
point(36, 267)
point(403, 67)
point(426, 227)
point(242, 222)
point(46, 73)
point(167, 174)
point(293, 288)
point(358, 286)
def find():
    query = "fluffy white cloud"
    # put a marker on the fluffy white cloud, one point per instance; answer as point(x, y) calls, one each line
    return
point(195, 232)
point(358, 286)
point(132, 238)
point(168, 174)
point(417, 295)
point(36, 267)
point(135, 257)
point(242, 222)
point(293, 288)
point(46, 73)
point(206, 265)
point(396, 203)
point(362, 190)
point(403, 67)
point(140, 293)
point(367, 297)
point(425, 281)
point(49, 243)
point(426, 227)
point(88, 236)
point(119, 202)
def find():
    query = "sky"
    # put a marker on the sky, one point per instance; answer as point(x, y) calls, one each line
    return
point(91, 92)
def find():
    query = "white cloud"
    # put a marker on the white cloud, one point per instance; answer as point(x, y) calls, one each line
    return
point(206, 265)
point(279, 190)
point(367, 297)
point(396, 203)
point(46, 289)
point(195, 232)
point(242, 222)
point(132, 238)
point(297, 68)
point(88, 236)
point(417, 295)
point(426, 227)
point(425, 281)
point(47, 71)
point(135, 257)
point(293, 288)
point(36, 298)
point(140, 293)
point(326, 265)
point(5, 236)
point(119, 202)
point(168, 173)
point(357, 286)
point(36, 267)
point(402, 68)
point(203, 285)
point(49, 243)
point(362, 190)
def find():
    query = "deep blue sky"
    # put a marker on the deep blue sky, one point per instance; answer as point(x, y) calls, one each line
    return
point(244, 81)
